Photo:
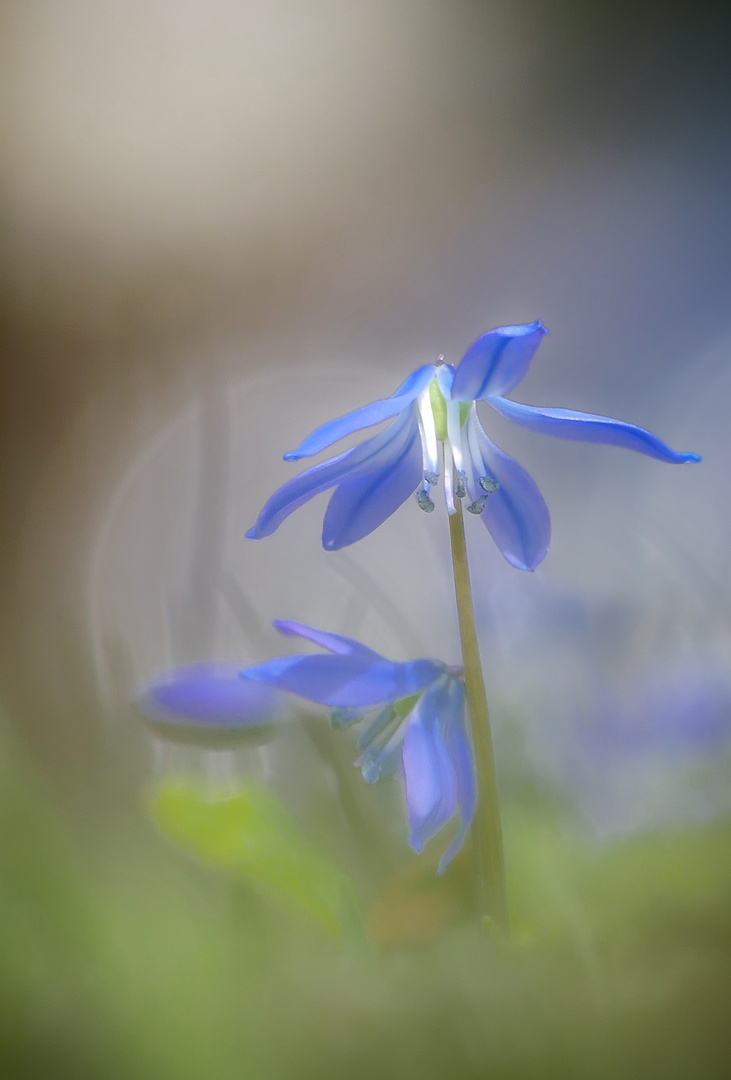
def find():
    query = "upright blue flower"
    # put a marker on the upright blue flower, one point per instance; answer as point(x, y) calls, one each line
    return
point(436, 405)
point(415, 723)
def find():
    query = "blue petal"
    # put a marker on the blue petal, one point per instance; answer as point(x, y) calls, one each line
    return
point(585, 427)
point(345, 681)
point(445, 379)
point(515, 515)
point(431, 785)
point(298, 491)
point(211, 695)
point(365, 417)
point(364, 499)
point(369, 454)
point(497, 361)
point(336, 643)
point(459, 746)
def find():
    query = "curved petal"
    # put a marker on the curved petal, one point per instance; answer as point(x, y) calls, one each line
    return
point(372, 453)
point(585, 427)
point(210, 694)
point(364, 417)
point(515, 515)
point(345, 681)
point(431, 785)
point(336, 643)
point(445, 379)
point(497, 361)
point(459, 747)
point(366, 497)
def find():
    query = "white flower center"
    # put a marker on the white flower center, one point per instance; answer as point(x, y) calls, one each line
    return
point(465, 471)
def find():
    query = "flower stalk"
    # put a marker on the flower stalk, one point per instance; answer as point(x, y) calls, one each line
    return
point(487, 837)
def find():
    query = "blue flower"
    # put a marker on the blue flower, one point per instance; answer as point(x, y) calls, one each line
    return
point(210, 705)
point(656, 754)
point(415, 723)
point(436, 405)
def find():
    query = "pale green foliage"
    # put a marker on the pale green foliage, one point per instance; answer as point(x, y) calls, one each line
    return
point(254, 836)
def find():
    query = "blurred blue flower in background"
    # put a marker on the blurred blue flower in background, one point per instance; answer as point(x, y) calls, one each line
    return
point(658, 755)
point(436, 404)
point(673, 712)
point(416, 723)
point(209, 704)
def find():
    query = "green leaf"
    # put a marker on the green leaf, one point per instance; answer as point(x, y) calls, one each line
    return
point(253, 835)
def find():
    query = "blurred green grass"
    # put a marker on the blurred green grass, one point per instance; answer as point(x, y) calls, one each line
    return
point(121, 959)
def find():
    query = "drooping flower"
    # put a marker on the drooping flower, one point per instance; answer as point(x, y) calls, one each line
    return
point(209, 705)
point(436, 406)
point(415, 723)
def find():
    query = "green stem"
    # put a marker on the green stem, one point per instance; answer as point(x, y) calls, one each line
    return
point(487, 837)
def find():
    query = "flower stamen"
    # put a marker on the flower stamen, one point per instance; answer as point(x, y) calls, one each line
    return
point(478, 505)
point(424, 499)
point(380, 723)
point(454, 434)
point(449, 478)
point(429, 442)
point(340, 718)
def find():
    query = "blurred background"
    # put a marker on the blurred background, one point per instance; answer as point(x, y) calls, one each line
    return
point(224, 223)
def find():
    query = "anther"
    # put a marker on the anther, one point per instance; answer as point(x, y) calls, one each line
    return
point(371, 769)
point(431, 478)
point(478, 505)
point(460, 485)
point(426, 504)
point(488, 485)
point(340, 718)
